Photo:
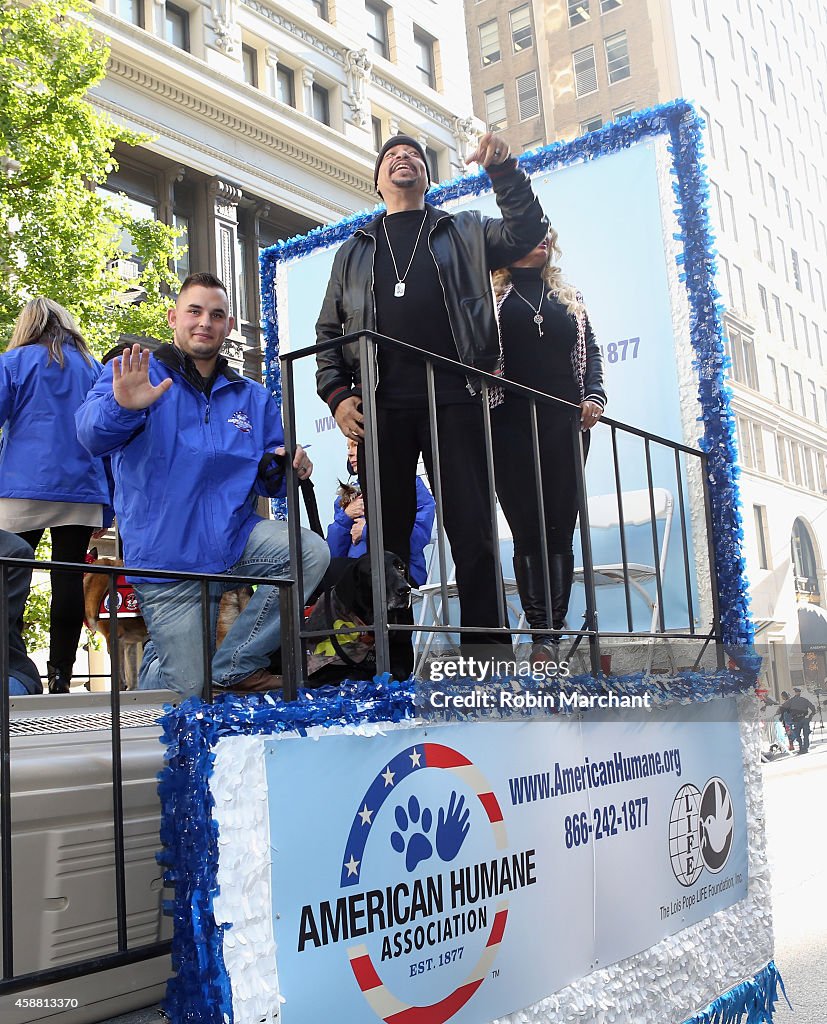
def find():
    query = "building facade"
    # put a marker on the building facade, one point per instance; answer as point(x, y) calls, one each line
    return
point(264, 119)
point(756, 72)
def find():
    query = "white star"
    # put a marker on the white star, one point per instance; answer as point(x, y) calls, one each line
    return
point(365, 815)
point(388, 775)
point(352, 866)
point(415, 758)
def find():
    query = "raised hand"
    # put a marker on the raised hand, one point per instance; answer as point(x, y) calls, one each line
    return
point(452, 828)
point(491, 149)
point(130, 380)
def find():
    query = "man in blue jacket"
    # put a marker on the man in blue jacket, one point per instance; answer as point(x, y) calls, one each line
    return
point(192, 446)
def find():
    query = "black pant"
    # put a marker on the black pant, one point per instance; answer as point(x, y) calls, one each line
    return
point(402, 435)
point(515, 476)
point(69, 544)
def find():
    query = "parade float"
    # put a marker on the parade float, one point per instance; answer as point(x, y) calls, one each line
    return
point(371, 853)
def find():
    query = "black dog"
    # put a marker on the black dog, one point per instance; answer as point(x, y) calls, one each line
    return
point(347, 601)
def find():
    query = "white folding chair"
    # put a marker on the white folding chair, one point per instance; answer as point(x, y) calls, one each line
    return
point(432, 594)
point(604, 514)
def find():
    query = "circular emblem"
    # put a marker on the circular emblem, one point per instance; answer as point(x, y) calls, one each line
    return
point(430, 836)
point(684, 835)
point(716, 824)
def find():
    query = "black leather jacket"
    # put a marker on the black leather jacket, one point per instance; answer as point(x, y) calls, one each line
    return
point(466, 247)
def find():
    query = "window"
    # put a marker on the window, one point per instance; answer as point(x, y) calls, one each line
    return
point(713, 73)
point(609, 5)
point(177, 26)
point(742, 356)
point(321, 103)
point(376, 130)
point(578, 12)
point(378, 29)
point(796, 269)
point(591, 126)
point(129, 10)
point(761, 532)
point(495, 108)
point(770, 82)
point(522, 37)
point(773, 377)
point(432, 157)
point(182, 246)
point(320, 7)
point(249, 64)
point(813, 399)
point(622, 112)
point(786, 387)
point(791, 318)
point(799, 393)
point(424, 46)
point(617, 58)
point(489, 43)
point(762, 295)
point(285, 91)
point(778, 317)
point(585, 71)
point(528, 97)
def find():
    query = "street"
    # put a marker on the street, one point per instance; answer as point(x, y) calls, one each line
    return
point(794, 795)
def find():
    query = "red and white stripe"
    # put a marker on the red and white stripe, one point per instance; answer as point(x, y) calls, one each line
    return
point(393, 1011)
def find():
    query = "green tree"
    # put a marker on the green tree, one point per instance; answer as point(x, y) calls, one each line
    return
point(58, 236)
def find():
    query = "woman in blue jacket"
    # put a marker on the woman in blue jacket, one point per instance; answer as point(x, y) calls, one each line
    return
point(47, 479)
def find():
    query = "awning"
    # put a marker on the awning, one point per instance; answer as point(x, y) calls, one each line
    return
point(812, 625)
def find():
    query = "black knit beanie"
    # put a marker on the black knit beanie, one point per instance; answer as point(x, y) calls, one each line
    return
point(400, 140)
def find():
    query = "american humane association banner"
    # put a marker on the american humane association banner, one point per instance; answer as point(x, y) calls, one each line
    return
point(462, 872)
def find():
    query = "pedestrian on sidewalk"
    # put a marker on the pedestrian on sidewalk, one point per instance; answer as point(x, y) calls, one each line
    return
point(800, 711)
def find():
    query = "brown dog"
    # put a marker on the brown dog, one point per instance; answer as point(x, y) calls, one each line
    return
point(132, 631)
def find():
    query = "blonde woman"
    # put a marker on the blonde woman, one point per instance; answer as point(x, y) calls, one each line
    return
point(547, 344)
point(47, 479)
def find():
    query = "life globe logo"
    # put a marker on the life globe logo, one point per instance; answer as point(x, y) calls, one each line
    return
point(701, 826)
point(425, 875)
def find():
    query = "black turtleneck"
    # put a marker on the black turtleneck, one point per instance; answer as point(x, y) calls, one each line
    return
point(419, 317)
point(534, 361)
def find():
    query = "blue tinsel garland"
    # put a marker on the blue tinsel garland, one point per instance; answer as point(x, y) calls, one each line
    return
point(697, 263)
point(751, 1002)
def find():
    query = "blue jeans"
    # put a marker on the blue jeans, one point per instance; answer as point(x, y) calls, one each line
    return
point(173, 659)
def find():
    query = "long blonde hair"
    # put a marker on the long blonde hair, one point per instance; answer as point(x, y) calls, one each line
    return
point(45, 322)
point(551, 274)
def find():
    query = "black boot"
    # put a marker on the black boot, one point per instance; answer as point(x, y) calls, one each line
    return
point(561, 570)
point(528, 572)
point(59, 678)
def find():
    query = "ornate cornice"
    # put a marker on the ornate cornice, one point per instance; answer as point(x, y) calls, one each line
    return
point(237, 125)
point(306, 36)
point(410, 100)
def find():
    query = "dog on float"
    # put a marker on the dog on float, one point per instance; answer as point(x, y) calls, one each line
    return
point(131, 628)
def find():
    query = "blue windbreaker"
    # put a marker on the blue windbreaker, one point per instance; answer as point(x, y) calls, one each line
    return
point(341, 546)
point(186, 468)
point(40, 456)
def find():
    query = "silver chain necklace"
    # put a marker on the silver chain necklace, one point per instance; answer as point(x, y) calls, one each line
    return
point(538, 316)
point(399, 289)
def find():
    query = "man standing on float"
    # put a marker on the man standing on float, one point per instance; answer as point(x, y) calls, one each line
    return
point(422, 276)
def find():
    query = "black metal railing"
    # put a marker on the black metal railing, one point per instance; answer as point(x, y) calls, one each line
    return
point(368, 343)
point(125, 954)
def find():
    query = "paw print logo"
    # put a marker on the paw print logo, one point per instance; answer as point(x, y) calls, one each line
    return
point(451, 830)
point(416, 846)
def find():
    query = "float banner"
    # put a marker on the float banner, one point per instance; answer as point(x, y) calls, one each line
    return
point(463, 872)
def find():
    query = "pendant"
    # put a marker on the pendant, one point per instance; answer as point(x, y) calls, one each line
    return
point(538, 319)
point(399, 290)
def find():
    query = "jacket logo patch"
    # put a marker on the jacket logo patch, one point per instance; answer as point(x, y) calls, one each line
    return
point(242, 421)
